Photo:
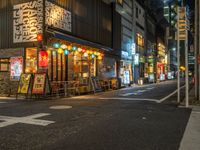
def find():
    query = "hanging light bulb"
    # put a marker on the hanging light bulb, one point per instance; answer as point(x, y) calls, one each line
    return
point(85, 54)
point(56, 45)
point(79, 49)
point(63, 46)
point(60, 50)
point(69, 47)
point(74, 48)
point(66, 52)
point(93, 56)
point(83, 50)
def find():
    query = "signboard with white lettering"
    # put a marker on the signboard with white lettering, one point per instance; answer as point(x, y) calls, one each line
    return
point(27, 21)
point(58, 17)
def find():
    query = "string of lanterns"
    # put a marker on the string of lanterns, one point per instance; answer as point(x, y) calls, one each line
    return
point(67, 49)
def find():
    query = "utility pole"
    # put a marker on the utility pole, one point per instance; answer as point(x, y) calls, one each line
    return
point(195, 50)
point(178, 61)
point(186, 67)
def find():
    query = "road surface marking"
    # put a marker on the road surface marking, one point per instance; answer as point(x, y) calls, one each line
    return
point(150, 88)
point(2, 102)
point(168, 96)
point(130, 99)
point(60, 107)
point(26, 120)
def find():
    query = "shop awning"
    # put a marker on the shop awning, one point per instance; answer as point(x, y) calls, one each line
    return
point(63, 36)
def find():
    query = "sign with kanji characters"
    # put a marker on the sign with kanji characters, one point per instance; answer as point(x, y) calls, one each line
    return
point(182, 24)
point(39, 83)
point(24, 83)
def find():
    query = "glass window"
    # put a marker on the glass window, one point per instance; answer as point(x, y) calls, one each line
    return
point(4, 64)
point(31, 60)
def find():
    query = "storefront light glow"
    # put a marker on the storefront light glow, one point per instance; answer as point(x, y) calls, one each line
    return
point(56, 45)
point(66, 52)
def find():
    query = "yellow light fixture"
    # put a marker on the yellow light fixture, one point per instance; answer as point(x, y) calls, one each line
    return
point(60, 50)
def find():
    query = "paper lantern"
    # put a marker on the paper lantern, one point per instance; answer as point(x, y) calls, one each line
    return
point(43, 59)
point(85, 54)
point(63, 46)
point(56, 45)
point(79, 49)
point(93, 56)
point(83, 50)
point(39, 37)
point(74, 48)
point(60, 50)
point(66, 52)
point(69, 47)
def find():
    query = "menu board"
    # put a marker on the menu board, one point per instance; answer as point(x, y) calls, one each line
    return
point(16, 68)
point(24, 84)
point(95, 84)
point(39, 83)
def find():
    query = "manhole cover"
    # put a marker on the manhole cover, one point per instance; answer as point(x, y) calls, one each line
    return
point(61, 107)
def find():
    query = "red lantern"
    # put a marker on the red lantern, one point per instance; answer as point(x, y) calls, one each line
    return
point(43, 59)
point(39, 37)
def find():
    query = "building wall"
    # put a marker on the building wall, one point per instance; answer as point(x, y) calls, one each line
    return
point(92, 20)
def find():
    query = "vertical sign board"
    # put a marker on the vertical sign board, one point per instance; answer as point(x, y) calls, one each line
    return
point(16, 68)
point(24, 83)
point(182, 23)
point(27, 21)
point(39, 83)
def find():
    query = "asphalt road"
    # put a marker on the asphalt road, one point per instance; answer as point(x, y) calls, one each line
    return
point(113, 120)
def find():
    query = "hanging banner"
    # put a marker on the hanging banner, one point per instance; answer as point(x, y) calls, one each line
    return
point(24, 84)
point(39, 83)
point(16, 68)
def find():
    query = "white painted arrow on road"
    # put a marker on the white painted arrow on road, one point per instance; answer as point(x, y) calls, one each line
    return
point(26, 120)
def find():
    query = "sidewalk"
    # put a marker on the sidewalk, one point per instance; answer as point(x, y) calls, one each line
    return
point(191, 138)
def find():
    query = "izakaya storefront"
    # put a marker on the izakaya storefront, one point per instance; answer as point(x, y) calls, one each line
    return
point(71, 61)
point(64, 59)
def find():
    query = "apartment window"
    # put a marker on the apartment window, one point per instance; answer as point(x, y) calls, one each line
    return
point(4, 64)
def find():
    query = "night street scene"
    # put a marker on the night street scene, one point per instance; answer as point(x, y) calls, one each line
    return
point(99, 74)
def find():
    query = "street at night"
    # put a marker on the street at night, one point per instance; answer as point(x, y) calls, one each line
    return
point(99, 74)
point(103, 121)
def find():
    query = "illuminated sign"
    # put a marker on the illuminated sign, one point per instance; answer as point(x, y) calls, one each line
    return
point(182, 23)
point(39, 83)
point(16, 68)
point(125, 54)
point(27, 21)
point(58, 17)
point(126, 77)
point(24, 84)
point(136, 59)
point(43, 59)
